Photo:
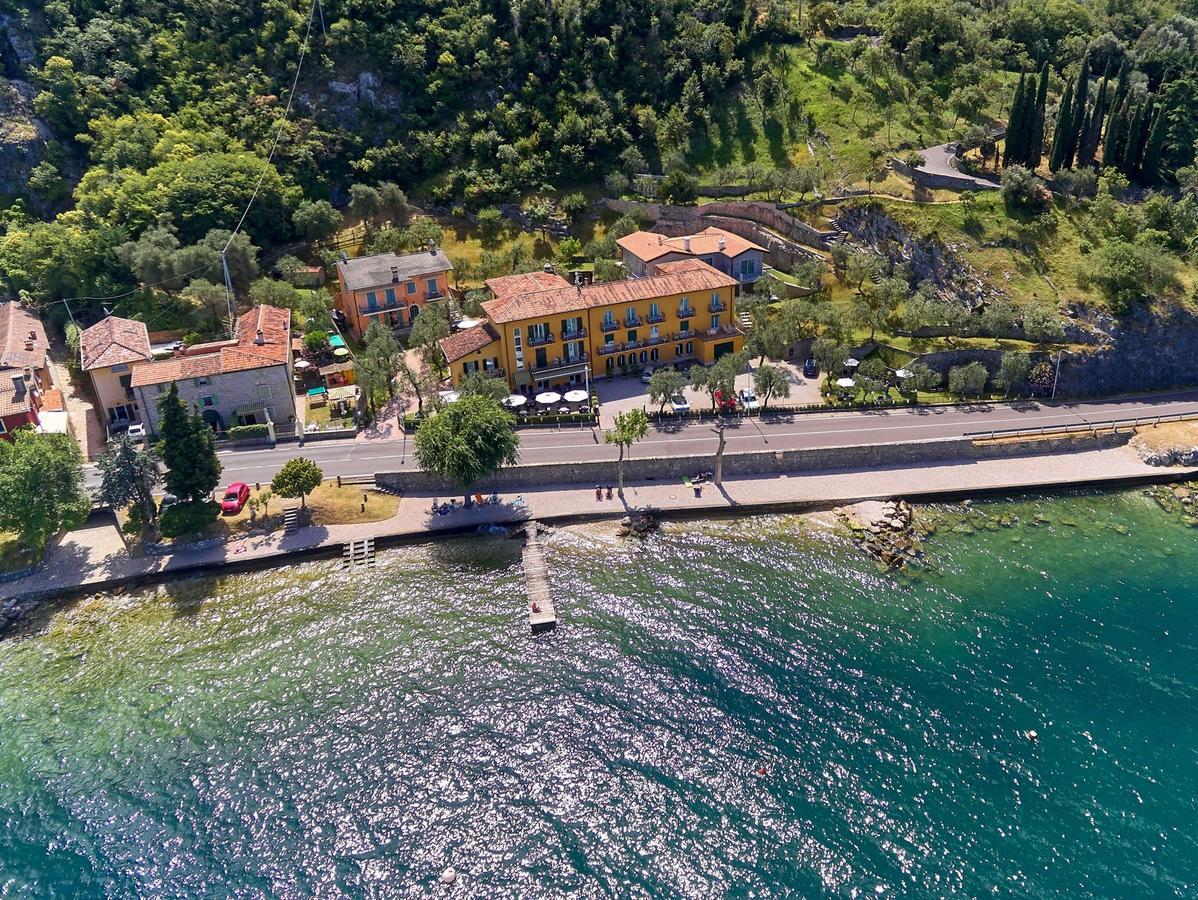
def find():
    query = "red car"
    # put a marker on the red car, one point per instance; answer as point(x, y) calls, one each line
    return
point(726, 403)
point(236, 496)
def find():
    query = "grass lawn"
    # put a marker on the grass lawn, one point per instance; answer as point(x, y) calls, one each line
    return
point(323, 415)
point(13, 555)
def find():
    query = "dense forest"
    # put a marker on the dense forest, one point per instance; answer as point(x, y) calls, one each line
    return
point(165, 118)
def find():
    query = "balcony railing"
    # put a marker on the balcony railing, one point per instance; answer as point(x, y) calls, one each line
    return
point(684, 335)
point(561, 362)
point(632, 321)
point(717, 306)
point(386, 305)
point(686, 312)
point(715, 334)
point(655, 318)
point(494, 371)
point(540, 340)
point(607, 326)
point(576, 335)
point(609, 349)
point(433, 295)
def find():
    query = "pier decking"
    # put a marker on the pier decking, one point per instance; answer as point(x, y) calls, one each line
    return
point(542, 616)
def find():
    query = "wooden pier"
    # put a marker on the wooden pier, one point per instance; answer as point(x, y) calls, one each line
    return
point(541, 613)
point(357, 553)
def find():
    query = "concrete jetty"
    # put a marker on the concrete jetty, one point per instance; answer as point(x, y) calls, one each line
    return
point(542, 616)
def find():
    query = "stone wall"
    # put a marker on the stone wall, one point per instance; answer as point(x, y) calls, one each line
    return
point(941, 181)
point(766, 214)
point(759, 463)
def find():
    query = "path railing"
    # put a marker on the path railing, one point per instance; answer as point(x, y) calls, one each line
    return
point(1107, 425)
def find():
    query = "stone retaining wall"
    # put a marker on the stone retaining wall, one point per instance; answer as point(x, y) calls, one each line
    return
point(757, 463)
point(766, 214)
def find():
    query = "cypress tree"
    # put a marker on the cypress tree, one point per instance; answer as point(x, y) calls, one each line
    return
point(1131, 147)
point(1060, 135)
point(1152, 152)
point(1036, 141)
point(1089, 145)
point(1012, 150)
point(1116, 132)
point(1077, 115)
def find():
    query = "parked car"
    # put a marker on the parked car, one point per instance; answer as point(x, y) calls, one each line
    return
point(236, 496)
point(748, 399)
point(679, 405)
point(167, 501)
point(137, 432)
point(725, 403)
point(646, 374)
point(810, 368)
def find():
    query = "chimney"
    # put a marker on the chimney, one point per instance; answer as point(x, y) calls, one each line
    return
point(395, 274)
point(686, 244)
point(723, 243)
point(260, 338)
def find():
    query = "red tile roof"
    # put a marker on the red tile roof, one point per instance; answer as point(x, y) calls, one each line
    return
point(469, 340)
point(52, 400)
point(113, 341)
point(681, 277)
point(22, 338)
point(241, 353)
point(14, 401)
point(649, 246)
point(525, 283)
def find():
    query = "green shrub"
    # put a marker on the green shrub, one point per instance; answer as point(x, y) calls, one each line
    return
point(188, 518)
point(248, 432)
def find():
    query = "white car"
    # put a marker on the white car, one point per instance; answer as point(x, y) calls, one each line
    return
point(646, 374)
point(749, 400)
point(137, 432)
point(678, 404)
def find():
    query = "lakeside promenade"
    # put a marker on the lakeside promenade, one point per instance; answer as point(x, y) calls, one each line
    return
point(93, 558)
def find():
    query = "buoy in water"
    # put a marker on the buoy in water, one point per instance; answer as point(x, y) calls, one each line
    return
point(1031, 736)
point(449, 876)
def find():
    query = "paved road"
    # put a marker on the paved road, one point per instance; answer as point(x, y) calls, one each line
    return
point(941, 160)
point(802, 431)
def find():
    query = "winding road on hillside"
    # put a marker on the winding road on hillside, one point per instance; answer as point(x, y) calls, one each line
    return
point(832, 429)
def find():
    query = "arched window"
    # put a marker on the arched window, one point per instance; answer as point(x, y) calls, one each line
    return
point(413, 312)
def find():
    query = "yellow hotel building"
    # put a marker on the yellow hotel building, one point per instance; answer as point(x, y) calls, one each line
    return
point(542, 332)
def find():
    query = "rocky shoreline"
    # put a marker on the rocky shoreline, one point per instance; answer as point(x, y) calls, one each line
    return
point(886, 531)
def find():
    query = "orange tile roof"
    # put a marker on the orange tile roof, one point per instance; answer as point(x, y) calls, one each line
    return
point(648, 246)
point(469, 340)
point(525, 282)
point(242, 353)
point(22, 338)
point(113, 341)
point(682, 277)
point(52, 400)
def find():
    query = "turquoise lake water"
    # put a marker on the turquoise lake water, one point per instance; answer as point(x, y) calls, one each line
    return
point(744, 708)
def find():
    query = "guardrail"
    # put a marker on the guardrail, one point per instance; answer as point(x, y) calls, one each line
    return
point(1111, 425)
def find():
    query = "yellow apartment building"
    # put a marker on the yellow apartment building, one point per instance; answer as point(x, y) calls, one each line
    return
point(390, 289)
point(542, 332)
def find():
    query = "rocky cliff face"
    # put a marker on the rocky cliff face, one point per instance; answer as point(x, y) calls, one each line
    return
point(1153, 350)
point(22, 136)
point(929, 261)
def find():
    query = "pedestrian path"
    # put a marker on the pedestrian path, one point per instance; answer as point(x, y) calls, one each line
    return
point(89, 559)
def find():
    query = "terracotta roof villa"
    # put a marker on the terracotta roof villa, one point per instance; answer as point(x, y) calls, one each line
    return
point(22, 338)
point(262, 338)
point(644, 252)
point(541, 331)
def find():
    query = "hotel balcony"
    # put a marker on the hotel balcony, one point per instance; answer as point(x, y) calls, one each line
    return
point(633, 321)
point(687, 312)
point(609, 349)
point(494, 371)
point(540, 340)
point(715, 334)
point(576, 335)
point(558, 363)
point(716, 306)
point(607, 327)
point(655, 318)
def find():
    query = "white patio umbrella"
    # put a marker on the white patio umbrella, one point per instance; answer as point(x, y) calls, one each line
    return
point(513, 400)
point(341, 352)
point(548, 398)
point(302, 364)
point(903, 373)
point(575, 397)
point(449, 396)
point(852, 363)
point(845, 382)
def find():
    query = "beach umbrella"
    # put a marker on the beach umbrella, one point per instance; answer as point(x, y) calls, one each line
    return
point(511, 401)
point(548, 398)
point(449, 396)
point(302, 364)
point(576, 397)
point(341, 352)
point(903, 373)
point(845, 382)
point(852, 363)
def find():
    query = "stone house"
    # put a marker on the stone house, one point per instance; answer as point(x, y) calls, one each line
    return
point(246, 380)
point(109, 351)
